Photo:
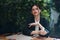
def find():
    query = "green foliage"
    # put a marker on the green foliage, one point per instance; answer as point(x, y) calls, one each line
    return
point(46, 14)
point(15, 12)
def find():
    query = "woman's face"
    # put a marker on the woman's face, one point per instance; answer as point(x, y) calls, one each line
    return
point(35, 10)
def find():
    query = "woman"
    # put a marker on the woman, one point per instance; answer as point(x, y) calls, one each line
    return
point(36, 21)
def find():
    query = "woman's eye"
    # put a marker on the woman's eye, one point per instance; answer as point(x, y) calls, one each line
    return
point(36, 8)
point(33, 9)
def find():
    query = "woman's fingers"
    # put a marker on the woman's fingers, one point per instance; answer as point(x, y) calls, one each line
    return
point(32, 24)
point(34, 32)
point(43, 32)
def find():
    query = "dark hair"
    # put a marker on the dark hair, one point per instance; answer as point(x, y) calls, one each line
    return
point(39, 6)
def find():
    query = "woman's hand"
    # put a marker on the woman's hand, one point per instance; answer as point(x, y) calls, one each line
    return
point(33, 24)
point(35, 32)
point(43, 32)
point(38, 24)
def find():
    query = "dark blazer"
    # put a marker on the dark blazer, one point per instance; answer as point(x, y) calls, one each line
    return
point(27, 30)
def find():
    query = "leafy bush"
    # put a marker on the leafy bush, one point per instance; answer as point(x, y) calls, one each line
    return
point(14, 12)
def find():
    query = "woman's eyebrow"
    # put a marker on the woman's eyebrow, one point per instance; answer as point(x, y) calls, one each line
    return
point(34, 8)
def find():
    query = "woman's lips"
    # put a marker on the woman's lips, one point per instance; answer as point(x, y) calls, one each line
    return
point(35, 12)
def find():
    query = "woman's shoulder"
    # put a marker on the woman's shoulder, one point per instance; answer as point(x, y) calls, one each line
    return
point(44, 20)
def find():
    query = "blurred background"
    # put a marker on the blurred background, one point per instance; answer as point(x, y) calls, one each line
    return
point(13, 14)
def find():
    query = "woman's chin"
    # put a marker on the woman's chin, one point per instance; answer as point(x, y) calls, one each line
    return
point(35, 14)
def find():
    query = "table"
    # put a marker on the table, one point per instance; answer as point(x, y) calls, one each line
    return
point(19, 37)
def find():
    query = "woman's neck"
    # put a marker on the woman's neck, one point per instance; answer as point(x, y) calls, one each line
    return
point(37, 18)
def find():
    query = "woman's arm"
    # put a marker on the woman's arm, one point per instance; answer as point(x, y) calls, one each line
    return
point(27, 31)
point(45, 27)
point(41, 27)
